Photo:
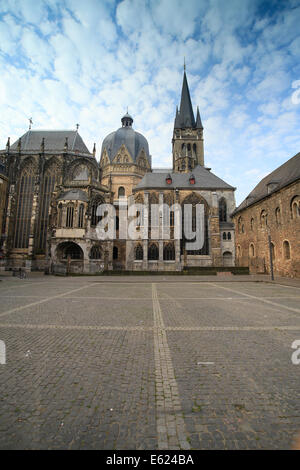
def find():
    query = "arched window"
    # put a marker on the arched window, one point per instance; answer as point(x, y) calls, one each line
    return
point(224, 236)
point(24, 206)
point(222, 210)
point(48, 182)
point(229, 236)
point(278, 215)
point(139, 252)
point(240, 224)
point(70, 216)
point(252, 224)
point(239, 251)
point(80, 215)
point(121, 191)
point(295, 207)
point(169, 252)
point(286, 250)
point(251, 250)
point(115, 252)
point(153, 252)
point(263, 219)
point(59, 215)
point(96, 252)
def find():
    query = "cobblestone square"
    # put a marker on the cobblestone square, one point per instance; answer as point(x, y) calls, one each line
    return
point(148, 362)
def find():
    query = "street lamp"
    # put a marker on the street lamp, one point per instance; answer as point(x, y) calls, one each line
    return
point(270, 254)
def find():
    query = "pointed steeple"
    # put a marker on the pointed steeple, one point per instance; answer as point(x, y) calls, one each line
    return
point(198, 120)
point(186, 115)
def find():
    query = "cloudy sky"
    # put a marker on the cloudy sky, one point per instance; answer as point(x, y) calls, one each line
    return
point(71, 61)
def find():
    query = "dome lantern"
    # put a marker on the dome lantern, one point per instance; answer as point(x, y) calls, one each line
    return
point(127, 120)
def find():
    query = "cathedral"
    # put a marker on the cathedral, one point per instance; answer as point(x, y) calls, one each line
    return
point(55, 187)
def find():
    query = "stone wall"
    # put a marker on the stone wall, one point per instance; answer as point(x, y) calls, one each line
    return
point(274, 216)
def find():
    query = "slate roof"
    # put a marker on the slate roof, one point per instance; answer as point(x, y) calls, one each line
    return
point(54, 141)
point(277, 179)
point(204, 179)
point(134, 142)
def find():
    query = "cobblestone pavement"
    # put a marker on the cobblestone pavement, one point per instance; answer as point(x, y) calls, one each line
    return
point(151, 363)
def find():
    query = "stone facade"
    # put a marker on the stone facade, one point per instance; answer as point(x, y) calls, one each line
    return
point(271, 225)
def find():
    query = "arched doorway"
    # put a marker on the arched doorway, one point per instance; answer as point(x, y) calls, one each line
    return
point(70, 255)
point(227, 258)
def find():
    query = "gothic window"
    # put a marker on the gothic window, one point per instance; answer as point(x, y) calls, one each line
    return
point(95, 252)
point(60, 213)
point(47, 187)
point(222, 210)
point(252, 224)
point(121, 191)
point(286, 250)
point(80, 216)
point(153, 252)
point(224, 236)
point(115, 252)
point(70, 216)
point(24, 206)
point(229, 236)
point(194, 150)
point(251, 250)
point(193, 199)
point(172, 218)
point(139, 252)
point(94, 217)
point(169, 252)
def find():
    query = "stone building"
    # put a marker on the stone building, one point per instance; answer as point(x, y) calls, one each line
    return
point(56, 187)
point(272, 210)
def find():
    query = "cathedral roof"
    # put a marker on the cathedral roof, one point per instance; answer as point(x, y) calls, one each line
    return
point(54, 141)
point(277, 179)
point(204, 179)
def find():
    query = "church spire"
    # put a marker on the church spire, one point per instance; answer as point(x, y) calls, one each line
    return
point(198, 120)
point(185, 118)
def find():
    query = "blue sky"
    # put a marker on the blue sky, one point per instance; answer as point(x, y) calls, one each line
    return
point(69, 61)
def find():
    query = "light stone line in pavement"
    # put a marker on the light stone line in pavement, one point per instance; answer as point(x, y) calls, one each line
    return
point(149, 328)
point(171, 431)
point(297, 310)
point(17, 309)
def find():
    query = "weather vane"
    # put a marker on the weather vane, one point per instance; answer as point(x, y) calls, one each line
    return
point(77, 126)
point(184, 64)
point(30, 122)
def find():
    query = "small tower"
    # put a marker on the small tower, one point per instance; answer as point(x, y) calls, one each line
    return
point(188, 134)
